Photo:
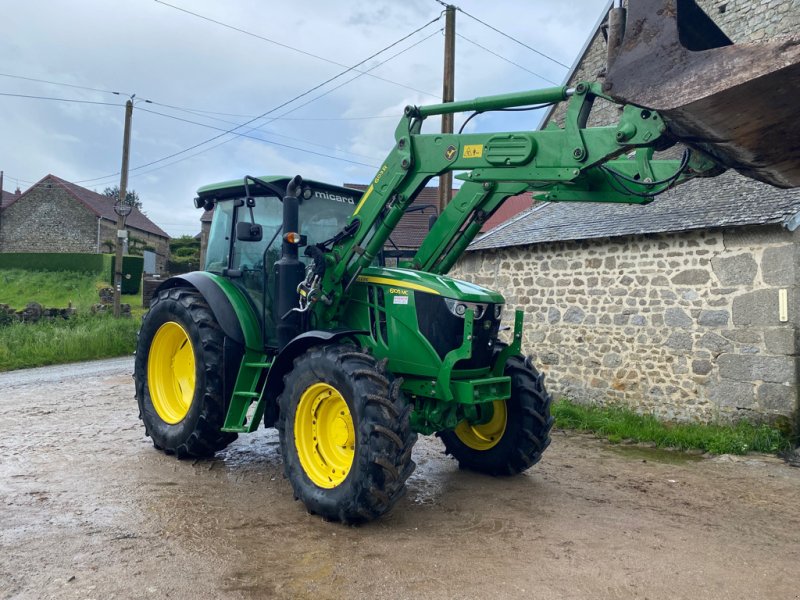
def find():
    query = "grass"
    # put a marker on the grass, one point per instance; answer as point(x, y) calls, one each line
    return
point(618, 424)
point(50, 289)
point(24, 345)
point(83, 337)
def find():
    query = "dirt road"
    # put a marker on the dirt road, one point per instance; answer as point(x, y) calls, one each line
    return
point(88, 509)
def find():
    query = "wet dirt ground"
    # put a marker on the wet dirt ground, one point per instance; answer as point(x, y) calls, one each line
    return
point(88, 509)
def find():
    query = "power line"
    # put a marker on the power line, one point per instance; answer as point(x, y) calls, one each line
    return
point(72, 85)
point(60, 99)
point(199, 112)
point(282, 45)
point(272, 133)
point(474, 43)
point(281, 116)
point(504, 34)
point(272, 110)
point(253, 137)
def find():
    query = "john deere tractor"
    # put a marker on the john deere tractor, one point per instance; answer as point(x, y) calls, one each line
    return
point(351, 360)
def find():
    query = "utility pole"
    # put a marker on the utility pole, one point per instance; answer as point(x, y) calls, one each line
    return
point(121, 208)
point(448, 94)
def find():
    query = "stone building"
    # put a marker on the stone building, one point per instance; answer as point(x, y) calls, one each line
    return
point(54, 215)
point(686, 308)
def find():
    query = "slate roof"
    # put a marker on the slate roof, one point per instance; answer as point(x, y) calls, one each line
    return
point(102, 206)
point(729, 200)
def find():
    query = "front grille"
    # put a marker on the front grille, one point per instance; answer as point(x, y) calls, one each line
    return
point(445, 331)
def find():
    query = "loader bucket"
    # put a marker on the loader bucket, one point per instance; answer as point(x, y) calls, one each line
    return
point(740, 103)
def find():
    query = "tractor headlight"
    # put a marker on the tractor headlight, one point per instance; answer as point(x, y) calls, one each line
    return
point(459, 308)
point(498, 310)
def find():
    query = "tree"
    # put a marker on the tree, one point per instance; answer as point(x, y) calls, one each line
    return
point(131, 197)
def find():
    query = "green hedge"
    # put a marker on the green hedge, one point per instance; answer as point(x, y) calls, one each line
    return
point(51, 261)
point(103, 264)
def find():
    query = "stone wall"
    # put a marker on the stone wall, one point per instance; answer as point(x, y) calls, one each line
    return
point(684, 325)
point(48, 220)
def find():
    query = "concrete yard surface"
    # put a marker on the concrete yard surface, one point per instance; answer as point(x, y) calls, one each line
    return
point(89, 509)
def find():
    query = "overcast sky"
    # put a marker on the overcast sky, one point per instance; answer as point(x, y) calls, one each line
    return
point(173, 58)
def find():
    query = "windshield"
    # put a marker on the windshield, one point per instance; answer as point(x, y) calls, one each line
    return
point(321, 216)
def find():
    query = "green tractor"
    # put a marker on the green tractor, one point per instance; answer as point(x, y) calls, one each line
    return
point(409, 352)
point(351, 360)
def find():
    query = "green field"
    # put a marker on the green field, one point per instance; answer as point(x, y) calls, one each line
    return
point(83, 337)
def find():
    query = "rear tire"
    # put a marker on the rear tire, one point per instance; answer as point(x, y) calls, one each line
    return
point(514, 439)
point(178, 374)
point(345, 435)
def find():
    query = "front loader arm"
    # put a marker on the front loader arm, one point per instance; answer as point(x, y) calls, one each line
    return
point(573, 163)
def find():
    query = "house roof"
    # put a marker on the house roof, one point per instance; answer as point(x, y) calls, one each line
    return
point(510, 208)
point(7, 198)
point(102, 206)
point(413, 226)
point(729, 200)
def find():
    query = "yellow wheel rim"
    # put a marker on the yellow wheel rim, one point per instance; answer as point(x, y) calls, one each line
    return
point(324, 435)
point(171, 372)
point(485, 435)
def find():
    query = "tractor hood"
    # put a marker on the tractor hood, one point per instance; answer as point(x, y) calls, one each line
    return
point(440, 285)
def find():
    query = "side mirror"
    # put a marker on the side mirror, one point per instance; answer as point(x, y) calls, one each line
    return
point(248, 232)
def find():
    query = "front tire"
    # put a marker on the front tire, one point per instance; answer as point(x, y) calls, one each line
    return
point(345, 435)
point(516, 433)
point(178, 374)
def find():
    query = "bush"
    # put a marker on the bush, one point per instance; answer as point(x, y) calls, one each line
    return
point(51, 261)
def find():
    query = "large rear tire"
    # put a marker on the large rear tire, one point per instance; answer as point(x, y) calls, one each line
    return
point(345, 435)
point(178, 374)
point(513, 437)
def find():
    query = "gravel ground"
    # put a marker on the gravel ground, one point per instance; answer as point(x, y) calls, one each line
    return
point(88, 509)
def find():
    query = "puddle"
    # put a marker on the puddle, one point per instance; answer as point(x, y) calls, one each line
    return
point(660, 455)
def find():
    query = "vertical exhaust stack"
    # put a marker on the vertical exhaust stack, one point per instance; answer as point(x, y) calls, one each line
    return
point(736, 102)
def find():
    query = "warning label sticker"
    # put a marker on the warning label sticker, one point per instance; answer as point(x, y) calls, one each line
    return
point(473, 151)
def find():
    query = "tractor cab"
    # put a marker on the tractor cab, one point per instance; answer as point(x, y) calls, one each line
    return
point(244, 243)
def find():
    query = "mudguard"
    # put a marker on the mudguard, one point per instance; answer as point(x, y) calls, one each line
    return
point(230, 307)
point(285, 359)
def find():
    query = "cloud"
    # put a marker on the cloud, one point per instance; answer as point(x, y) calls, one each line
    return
point(174, 58)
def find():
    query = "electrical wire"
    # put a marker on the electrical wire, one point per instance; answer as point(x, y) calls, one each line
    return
point(272, 133)
point(75, 100)
point(134, 175)
point(72, 85)
point(253, 137)
point(512, 38)
point(474, 43)
point(270, 111)
point(196, 111)
point(282, 45)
